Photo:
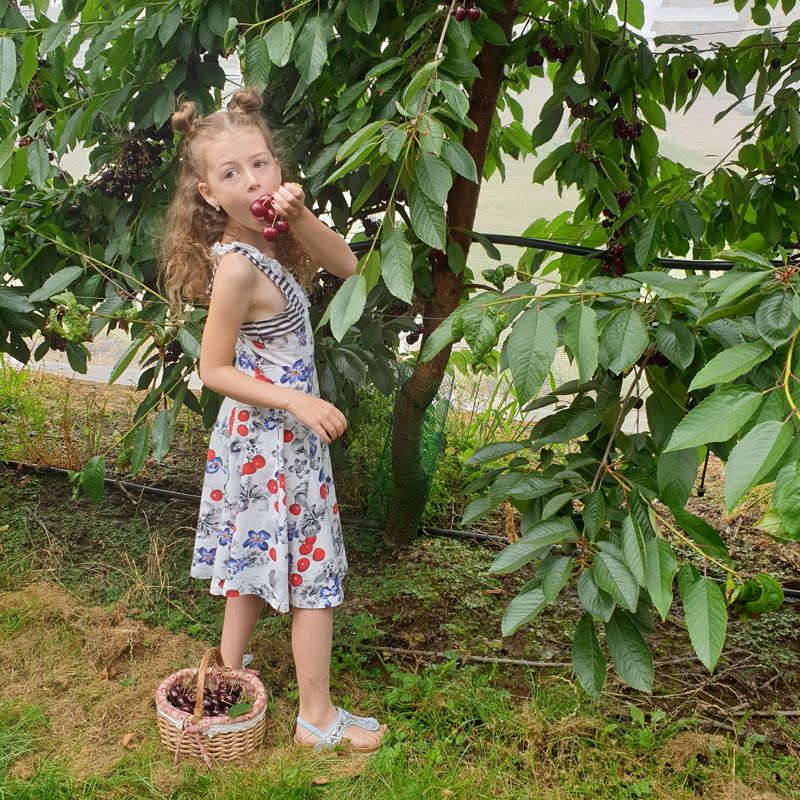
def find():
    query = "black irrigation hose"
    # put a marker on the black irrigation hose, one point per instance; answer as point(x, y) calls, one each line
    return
point(698, 265)
point(193, 499)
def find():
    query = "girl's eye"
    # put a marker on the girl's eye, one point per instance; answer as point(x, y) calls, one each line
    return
point(229, 172)
point(262, 162)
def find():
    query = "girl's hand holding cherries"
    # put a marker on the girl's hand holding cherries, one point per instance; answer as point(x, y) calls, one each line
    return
point(277, 209)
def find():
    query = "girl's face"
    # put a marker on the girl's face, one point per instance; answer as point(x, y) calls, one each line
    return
point(239, 167)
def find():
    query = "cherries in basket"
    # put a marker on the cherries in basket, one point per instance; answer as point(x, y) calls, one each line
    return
point(224, 699)
point(263, 209)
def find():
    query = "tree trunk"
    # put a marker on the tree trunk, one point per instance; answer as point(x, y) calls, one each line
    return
point(414, 397)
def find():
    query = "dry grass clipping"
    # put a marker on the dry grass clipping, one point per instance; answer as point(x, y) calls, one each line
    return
point(69, 660)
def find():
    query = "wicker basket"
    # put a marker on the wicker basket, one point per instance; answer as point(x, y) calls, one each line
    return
point(214, 739)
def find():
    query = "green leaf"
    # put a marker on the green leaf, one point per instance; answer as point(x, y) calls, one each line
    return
point(580, 336)
point(686, 216)
point(427, 218)
point(635, 549)
point(676, 342)
point(363, 14)
point(556, 576)
point(56, 283)
point(516, 555)
point(594, 513)
point(93, 478)
point(311, 51)
point(625, 339)
point(629, 652)
point(676, 474)
point(754, 455)
point(703, 535)
point(12, 300)
point(460, 160)
point(161, 434)
point(434, 177)
point(8, 65)
point(661, 569)
point(614, 578)
point(54, 36)
point(396, 257)
point(189, 342)
point(280, 39)
point(587, 657)
point(219, 12)
point(598, 603)
point(440, 338)
point(775, 318)
point(734, 285)
point(531, 349)
point(493, 451)
point(644, 244)
point(347, 305)
point(38, 162)
point(141, 444)
point(731, 363)
point(522, 609)
point(126, 359)
point(28, 63)
point(716, 418)
point(706, 619)
point(771, 596)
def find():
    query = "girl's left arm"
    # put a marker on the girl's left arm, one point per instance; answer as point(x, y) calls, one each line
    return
point(323, 245)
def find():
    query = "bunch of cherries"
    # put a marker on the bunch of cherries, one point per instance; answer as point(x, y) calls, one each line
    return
point(135, 162)
point(624, 131)
point(468, 11)
point(262, 208)
point(216, 702)
point(613, 266)
point(554, 52)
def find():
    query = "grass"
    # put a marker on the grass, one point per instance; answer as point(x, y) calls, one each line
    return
point(96, 606)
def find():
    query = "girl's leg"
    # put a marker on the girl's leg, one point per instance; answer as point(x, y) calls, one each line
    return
point(312, 634)
point(241, 615)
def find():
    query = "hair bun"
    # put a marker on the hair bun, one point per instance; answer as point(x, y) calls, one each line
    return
point(185, 117)
point(247, 101)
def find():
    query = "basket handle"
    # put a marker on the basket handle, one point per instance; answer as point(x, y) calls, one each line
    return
point(211, 653)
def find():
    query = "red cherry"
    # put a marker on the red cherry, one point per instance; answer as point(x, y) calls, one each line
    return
point(232, 593)
point(310, 539)
point(244, 416)
point(461, 14)
point(296, 580)
point(216, 494)
point(294, 509)
point(335, 508)
point(282, 226)
point(249, 468)
point(259, 461)
point(474, 14)
point(242, 430)
point(272, 486)
point(284, 499)
point(211, 455)
point(288, 436)
point(270, 233)
point(257, 208)
point(282, 480)
point(222, 583)
point(273, 554)
point(323, 491)
point(303, 564)
point(277, 507)
point(306, 548)
point(269, 216)
point(319, 554)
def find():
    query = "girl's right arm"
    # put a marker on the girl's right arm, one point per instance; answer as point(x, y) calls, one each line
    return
point(234, 283)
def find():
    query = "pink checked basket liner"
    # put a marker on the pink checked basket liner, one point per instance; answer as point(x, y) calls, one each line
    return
point(218, 738)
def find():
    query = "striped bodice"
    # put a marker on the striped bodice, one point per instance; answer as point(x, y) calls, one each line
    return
point(286, 321)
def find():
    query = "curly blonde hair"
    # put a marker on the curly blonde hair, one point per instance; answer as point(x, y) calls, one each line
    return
point(191, 225)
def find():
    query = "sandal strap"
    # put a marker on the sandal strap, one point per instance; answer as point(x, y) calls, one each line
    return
point(335, 731)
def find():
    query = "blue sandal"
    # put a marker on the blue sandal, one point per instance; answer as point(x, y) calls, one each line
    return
point(329, 738)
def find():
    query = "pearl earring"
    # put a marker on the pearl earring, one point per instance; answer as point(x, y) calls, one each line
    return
point(217, 207)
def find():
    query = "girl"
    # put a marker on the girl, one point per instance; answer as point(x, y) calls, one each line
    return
point(268, 528)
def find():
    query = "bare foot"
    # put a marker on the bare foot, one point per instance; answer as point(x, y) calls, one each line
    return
point(355, 735)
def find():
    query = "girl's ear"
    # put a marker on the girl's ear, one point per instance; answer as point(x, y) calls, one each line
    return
point(205, 191)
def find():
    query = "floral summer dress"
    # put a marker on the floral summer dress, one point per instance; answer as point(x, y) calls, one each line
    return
point(269, 521)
